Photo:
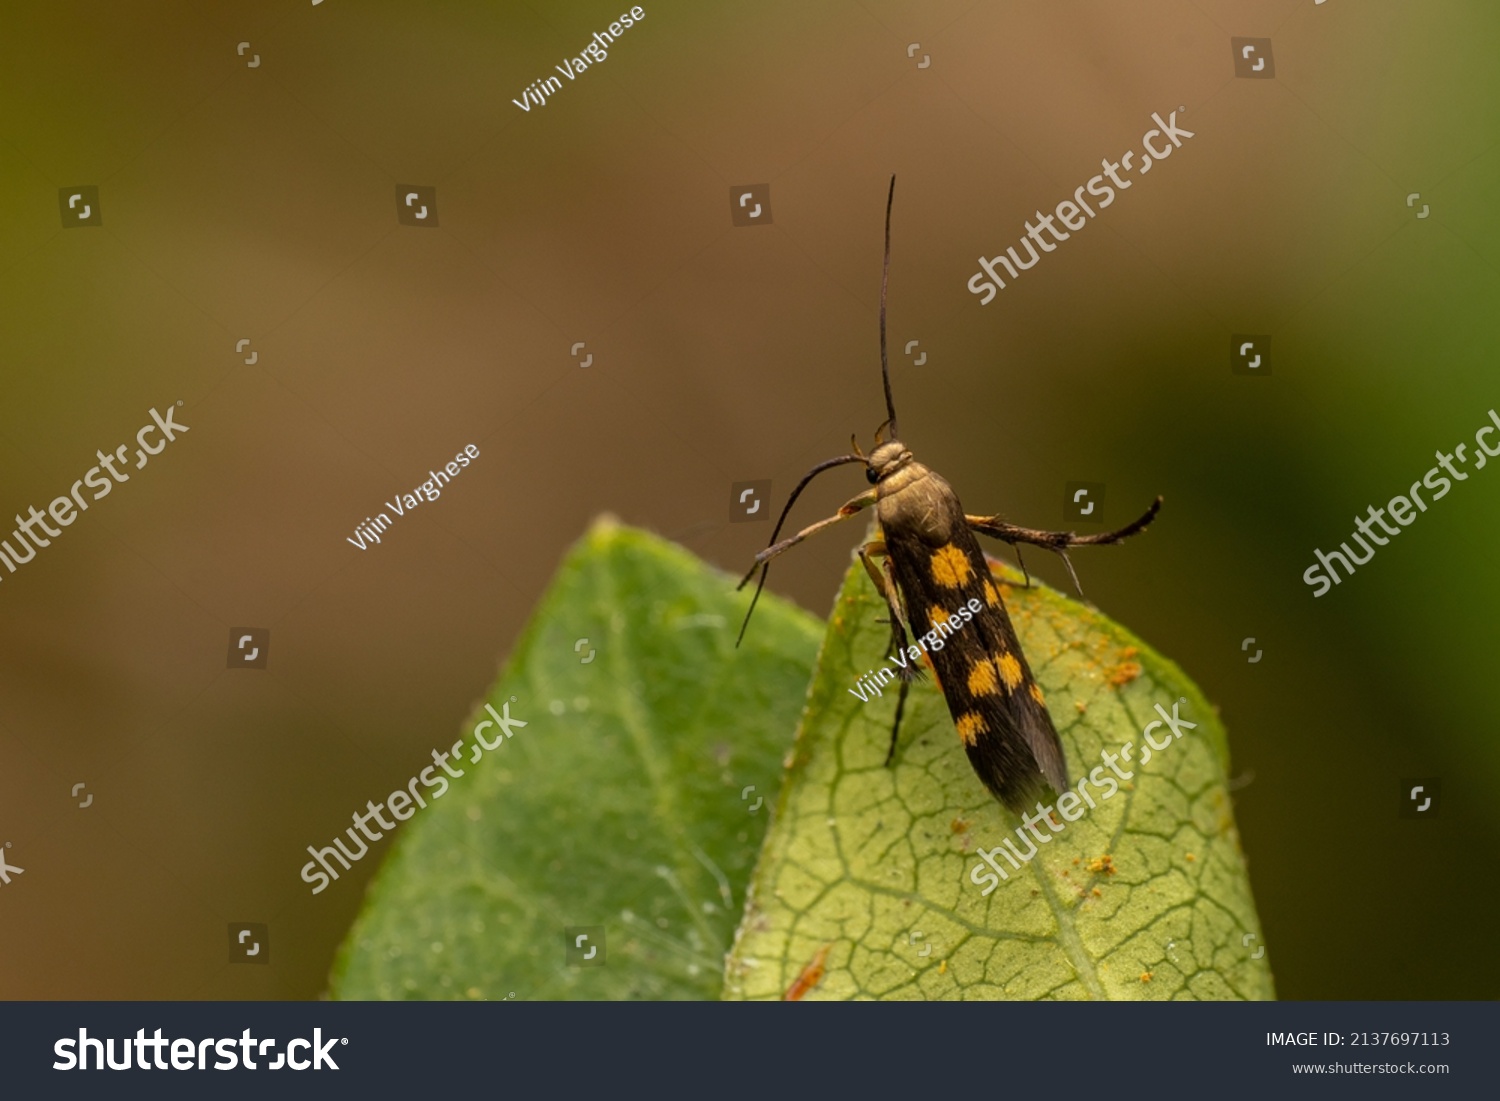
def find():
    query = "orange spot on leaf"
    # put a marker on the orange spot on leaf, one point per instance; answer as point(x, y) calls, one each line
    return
point(811, 975)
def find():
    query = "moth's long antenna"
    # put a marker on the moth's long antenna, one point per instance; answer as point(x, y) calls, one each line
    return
point(885, 278)
point(765, 566)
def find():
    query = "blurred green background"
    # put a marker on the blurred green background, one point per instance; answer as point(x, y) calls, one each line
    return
point(259, 202)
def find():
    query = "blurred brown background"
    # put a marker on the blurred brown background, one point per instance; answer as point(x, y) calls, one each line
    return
point(259, 203)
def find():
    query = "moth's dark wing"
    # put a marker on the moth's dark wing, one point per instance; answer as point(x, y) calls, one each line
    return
point(996, 705)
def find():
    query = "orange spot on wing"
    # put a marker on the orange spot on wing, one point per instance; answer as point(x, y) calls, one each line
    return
point(950, 567)
point(936, 615)
point(982, 680)
point(1036, 694)
point(970, 726)
point(1010, 670)
point(991, 597)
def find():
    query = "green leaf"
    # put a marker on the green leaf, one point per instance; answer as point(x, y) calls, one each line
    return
point(619, 805)
point(1144, 897)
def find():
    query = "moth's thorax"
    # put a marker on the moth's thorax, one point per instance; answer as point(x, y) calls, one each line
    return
point(914, 498)
point(900, 477)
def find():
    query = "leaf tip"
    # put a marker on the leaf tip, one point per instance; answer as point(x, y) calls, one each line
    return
point(605, 526)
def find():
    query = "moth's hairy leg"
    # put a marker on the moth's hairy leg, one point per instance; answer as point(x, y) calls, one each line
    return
point(1058, 542)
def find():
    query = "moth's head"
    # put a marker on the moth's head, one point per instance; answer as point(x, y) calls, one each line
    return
point(885, 460)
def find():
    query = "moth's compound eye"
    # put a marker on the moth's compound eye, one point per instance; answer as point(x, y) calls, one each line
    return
point(870, 476)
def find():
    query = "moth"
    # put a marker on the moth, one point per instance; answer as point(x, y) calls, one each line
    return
point(937, 585)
